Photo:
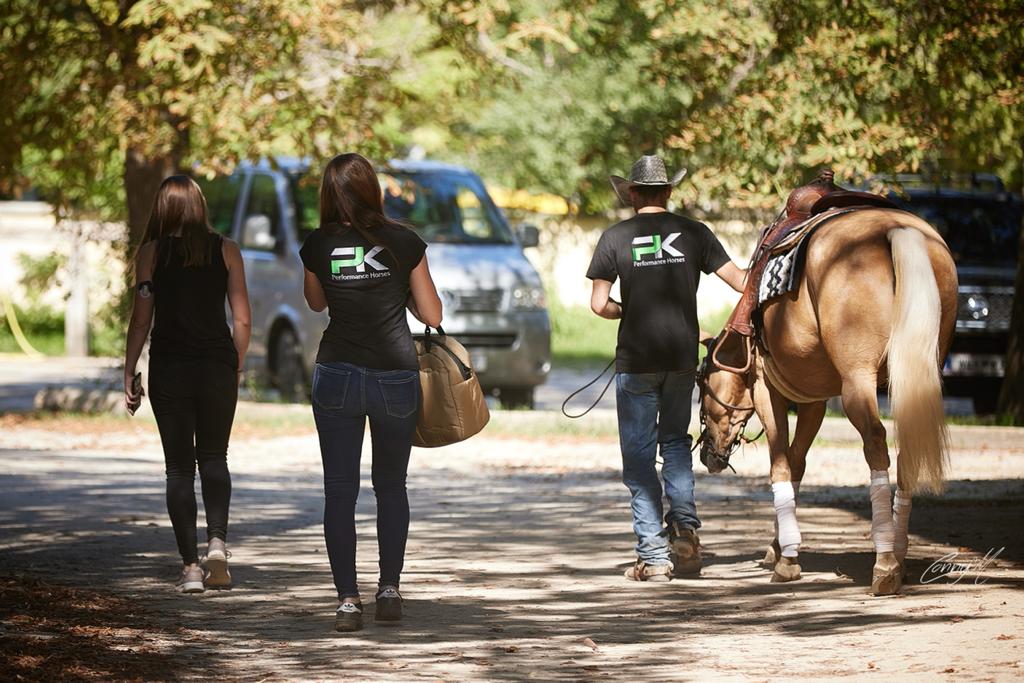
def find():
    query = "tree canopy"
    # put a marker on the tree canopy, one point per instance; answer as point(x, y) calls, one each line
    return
point(752, 96)
point(105, 97)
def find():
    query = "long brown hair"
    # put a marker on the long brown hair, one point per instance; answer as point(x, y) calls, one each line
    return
point(180, 205)
point(350, 195)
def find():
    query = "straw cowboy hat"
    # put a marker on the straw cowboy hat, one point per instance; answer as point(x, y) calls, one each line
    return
point(649, 170)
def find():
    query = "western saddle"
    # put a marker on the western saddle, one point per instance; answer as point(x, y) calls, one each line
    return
point(806, 208)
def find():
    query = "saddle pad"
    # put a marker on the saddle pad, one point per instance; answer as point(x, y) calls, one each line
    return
point(781, 275)
point(786, 264)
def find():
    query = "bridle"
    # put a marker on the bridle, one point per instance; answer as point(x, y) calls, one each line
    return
point(746, 412)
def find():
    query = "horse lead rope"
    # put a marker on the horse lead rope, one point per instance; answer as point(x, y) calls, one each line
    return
point(603, 391)
point(584, 388)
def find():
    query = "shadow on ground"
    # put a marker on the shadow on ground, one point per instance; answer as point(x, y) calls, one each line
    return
point(507, 575)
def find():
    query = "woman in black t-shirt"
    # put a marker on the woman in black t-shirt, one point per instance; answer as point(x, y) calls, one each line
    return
point(365, 269)
point(184, 271)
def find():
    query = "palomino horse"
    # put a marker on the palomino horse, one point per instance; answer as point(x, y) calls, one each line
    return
point(876, 304)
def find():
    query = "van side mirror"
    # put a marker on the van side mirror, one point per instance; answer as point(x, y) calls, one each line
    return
point(258, 233)
point(529, 235)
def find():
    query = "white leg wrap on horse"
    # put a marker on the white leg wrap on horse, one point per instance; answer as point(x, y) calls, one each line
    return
point(785, 515)
point(901, 521)
point(883, 532)
point(796, 492)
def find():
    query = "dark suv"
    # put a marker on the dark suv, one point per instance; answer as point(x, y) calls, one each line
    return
point(981, 223)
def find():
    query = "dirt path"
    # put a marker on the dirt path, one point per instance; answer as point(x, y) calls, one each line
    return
point(514, 568)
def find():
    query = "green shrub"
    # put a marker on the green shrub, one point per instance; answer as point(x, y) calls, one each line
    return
point(578, 337)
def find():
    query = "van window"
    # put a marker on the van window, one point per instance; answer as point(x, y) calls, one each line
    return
point(444, 207)
point(221, 199)
point(260, 227)
point(306, 194)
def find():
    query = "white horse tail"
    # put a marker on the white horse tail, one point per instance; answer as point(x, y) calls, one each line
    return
point(915, 384)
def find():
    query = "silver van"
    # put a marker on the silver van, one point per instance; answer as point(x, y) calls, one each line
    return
point(494, 301)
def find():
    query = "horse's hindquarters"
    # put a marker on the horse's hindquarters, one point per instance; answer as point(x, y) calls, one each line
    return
point(839, 321)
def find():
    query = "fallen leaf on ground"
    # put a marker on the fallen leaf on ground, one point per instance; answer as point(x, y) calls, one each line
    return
point(1004, 636)
point(590, 643)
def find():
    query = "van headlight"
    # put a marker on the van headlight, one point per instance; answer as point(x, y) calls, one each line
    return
point(977, 307)
point(528, 298)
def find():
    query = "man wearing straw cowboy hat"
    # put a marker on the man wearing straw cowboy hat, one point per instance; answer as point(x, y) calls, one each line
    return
point(658, 256)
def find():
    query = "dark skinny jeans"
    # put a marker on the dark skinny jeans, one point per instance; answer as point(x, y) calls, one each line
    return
point(344, 395)
point(194, 403)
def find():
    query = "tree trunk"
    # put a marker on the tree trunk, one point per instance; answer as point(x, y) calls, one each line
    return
point(1011, 398)
point(142, 178)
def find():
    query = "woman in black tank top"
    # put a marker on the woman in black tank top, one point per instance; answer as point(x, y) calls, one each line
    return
point(183, 272)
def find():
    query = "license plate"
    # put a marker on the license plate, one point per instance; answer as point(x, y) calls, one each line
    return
point(974, 365)
point(479, 361)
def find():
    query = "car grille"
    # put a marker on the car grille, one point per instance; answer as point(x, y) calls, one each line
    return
point(1000, 308)
point(486, 341)
point(475, 300)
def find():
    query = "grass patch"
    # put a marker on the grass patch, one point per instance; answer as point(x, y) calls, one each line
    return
point(48, 338)
point(252, 420)
point(581, 339)
point(982, 420)
point(45, 342)
point(549, 424)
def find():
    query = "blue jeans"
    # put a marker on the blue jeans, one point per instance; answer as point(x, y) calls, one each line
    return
point(344, 395)
point(654, 409)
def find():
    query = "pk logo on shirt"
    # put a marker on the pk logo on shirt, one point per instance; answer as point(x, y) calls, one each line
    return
point(359, 259)
point(654, 245)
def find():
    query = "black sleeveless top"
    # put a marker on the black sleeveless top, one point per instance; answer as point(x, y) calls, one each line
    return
point(189, 315)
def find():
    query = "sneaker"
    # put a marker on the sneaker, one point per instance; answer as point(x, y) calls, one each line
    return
point(216, 564)
point(388, 605)
point(641, 571)
point(349, 617)
point(685, 548)
point(191, 580)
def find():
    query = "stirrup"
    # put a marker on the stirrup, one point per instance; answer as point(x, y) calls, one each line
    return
point(748, 347)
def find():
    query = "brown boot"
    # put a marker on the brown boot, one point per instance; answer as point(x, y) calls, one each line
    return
point(641, 571)
point(685, 547)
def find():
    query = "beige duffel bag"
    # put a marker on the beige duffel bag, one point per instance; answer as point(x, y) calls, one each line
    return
point(452, 406)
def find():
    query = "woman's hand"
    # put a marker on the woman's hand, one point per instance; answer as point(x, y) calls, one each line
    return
point(133, 393)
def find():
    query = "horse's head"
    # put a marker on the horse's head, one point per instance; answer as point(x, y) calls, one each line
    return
point(726, 404)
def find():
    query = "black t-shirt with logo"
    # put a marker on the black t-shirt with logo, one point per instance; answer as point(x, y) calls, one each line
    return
point(659, 257)
point(367, 287)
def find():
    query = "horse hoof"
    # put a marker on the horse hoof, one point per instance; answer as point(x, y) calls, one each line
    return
point(786, 569)
point(771, 556)
point(887, 582)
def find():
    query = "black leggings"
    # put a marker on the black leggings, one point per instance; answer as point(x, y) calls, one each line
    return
point(194, 404)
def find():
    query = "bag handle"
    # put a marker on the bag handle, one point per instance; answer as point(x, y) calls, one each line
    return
point(464, 369)
point(426, 335)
